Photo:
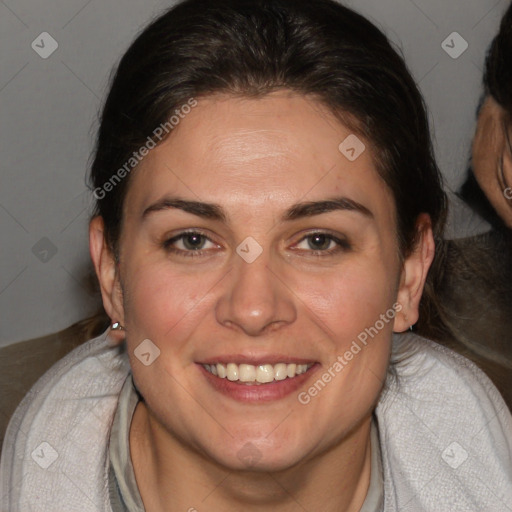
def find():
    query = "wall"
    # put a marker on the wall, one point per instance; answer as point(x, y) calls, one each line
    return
point(49, 110)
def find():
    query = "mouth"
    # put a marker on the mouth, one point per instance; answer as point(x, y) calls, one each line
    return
point(257, 382)
point(257, 374)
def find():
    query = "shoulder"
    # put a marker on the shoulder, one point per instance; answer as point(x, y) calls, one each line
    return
point(445, 430)
point(89, 370)
point(55, 443)
point(420, 362)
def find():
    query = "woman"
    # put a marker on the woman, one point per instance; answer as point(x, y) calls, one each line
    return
point(267, 210)
point(474, 289)
point(488, 187)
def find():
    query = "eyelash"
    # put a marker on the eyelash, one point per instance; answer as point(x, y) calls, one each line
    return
point(167, 245)
point(342, 245)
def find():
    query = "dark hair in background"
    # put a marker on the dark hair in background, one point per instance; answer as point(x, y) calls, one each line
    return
point(253, 47)
point(497, 81)
point(498, 64)
point(474, 290)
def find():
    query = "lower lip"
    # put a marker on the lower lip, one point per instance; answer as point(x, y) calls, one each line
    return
point(258, 393)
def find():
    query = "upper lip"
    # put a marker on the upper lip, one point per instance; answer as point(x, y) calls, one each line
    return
point(256, 360)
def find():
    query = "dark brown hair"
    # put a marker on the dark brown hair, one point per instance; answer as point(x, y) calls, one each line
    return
point(498, 64)
point(474, 291)
point(251, 48)
point(497, 82)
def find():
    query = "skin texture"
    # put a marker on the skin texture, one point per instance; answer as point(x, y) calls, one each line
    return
point(491, 153)
point(255, 158)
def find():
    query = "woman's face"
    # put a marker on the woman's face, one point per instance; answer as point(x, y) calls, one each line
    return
point(270, 275)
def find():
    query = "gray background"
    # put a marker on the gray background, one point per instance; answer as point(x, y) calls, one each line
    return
point(49, 113)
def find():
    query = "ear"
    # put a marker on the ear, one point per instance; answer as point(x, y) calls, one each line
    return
point(108, 275)
point(414, 274)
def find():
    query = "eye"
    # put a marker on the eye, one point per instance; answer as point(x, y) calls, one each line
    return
point(323, 244)
point(188, 243)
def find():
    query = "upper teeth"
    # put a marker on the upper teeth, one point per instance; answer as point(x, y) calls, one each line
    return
point(263, 373)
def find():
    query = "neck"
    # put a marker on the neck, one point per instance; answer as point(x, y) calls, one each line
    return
point(172, 476)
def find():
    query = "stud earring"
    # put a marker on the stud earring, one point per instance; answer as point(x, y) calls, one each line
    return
point(116, 326)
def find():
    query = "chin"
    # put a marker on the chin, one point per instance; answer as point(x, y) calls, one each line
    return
point(258, 454)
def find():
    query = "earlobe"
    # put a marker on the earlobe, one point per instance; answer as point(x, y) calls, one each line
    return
point(414, 274)
point(106, 272)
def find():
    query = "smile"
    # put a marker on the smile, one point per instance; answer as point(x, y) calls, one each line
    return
point(260, 374)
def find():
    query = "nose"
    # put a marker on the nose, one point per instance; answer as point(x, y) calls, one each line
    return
point(256, 298)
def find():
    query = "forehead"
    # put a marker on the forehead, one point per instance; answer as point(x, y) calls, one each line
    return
point(262, 152)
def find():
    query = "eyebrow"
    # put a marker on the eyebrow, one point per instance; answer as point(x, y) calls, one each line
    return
point(214, 211)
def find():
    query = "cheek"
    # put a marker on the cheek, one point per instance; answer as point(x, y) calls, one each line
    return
point(353, 298)
point(351, 378)
point(357, 312)
point(165, 307)
point(164, 304)
point(360, 314)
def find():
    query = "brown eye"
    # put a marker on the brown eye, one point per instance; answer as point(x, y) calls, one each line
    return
point(189, 243)
point(193, 241)
point(319, 241)
point(323, 244)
